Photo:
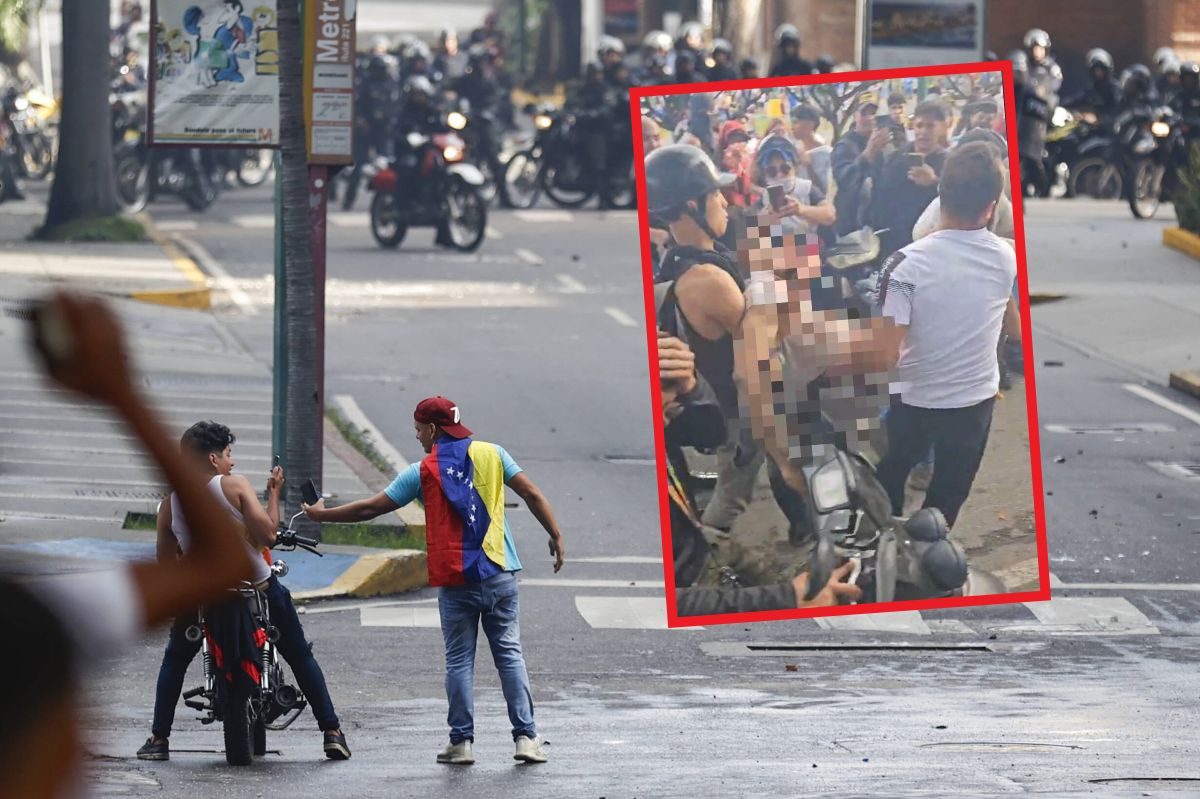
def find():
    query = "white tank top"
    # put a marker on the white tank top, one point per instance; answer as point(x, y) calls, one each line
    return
point(182, 534)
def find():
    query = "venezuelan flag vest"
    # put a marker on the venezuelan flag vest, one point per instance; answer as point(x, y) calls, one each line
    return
point(462, 486)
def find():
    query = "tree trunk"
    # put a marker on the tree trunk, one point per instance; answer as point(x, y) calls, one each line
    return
point(299, 315)
point(84, 181)
point(740, 23)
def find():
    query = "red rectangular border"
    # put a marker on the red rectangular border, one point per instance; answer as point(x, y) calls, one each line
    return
point(1043, 593)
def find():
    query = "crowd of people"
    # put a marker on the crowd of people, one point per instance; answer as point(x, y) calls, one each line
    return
point(746, 192)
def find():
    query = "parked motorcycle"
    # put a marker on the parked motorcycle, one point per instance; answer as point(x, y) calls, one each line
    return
point(257, 698)
point(30, 143)
point(143, 172)
point(430, 186)
point(558, 164)
point(895, 559)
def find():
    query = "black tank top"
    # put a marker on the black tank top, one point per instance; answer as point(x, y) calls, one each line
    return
point(714, 357)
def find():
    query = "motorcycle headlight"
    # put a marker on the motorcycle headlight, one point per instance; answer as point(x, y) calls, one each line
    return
point(542, 121)
point(21, 103)
point(456, 120)
point(1160, 129)
point(452, 153)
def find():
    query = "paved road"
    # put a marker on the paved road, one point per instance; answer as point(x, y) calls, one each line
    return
point(538, 338)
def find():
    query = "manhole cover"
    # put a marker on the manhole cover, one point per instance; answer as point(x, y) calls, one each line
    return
point(1183, 470)
point(997, 746)
point(1110, 430)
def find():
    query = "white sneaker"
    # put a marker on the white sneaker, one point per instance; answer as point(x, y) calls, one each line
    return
point(458, 754)
point(530, 750)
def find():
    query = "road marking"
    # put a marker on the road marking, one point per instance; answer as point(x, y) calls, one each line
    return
point(529, 257)
point(1082, 615)
point(1176, 470)
point(571, 285)
point(1190, 587)
point(1111, 430)
point(625, 613)
point(355, 415)
point(1163, 402)
point(905, 622)
point(154, 394)
point(176, 225)
point(544, 215)
point(620, 317)
point(493, 234)
point(572, 583)
point(10, 515)
point(254, 221)
point(98, 271)
point(400, 617)
point(90, 450)
point(223, 280)
point(360, 219)
point(360, 605)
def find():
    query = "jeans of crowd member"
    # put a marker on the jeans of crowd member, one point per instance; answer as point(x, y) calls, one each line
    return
point(294, 648)
point(463, 608)
point(959, 437)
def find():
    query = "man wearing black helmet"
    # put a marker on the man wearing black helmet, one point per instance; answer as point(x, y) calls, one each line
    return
point(789, 62)
point(1102, 96)
point(376, 100)
point(702, 301)
point(722, 61)
point(747, 69)
point(1187, 101)
point(690, 40)
point(1044, 73)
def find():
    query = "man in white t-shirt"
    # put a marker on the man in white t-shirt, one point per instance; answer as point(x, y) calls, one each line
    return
point(949, 295)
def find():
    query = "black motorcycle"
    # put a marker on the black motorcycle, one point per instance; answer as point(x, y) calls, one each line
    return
point(429, 186)
point(895, 559)
point(143, 172)
point(257, 698)
point(1077, 147)
point(31, 145)
point(557, 163)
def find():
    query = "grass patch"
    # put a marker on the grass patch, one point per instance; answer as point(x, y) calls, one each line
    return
point(371, 535)
point(359, 439)
point(140, 521)
point(101, 228)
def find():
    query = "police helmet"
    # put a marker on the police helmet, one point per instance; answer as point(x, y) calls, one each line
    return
point(722, 46)
point(1164, 54)
point(418, 84)
point(659, 41)
point(1136, 79)
point(610, 44)
point(787, 34)
point(1036, 37)
point(1099, 57)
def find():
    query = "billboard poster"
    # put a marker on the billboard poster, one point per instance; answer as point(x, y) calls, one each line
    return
point(329, 80)
point(214, 73)
point(913, 33)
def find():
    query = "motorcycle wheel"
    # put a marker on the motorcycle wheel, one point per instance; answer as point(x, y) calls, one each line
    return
point(467, 217)
point(562, 197)
point(36, 157)
point(199, 194)
point(1089, 178)
point(238, 723)
point(488, 190)
point(519, 187)
point(624, 195)
point(133, 183)
point(255, 167)
point(1145, 195)
point(388, 224)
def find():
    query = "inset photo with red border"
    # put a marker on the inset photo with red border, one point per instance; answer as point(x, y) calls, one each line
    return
point(839, 344)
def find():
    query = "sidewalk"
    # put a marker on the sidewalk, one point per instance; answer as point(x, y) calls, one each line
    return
point(69, 471)
point(154, 270)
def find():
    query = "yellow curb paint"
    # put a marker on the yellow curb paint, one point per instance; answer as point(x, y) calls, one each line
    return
point(1036, 297)
point(392, 572)
point(1184, 241)
point(1188, 382)
point(198, 296)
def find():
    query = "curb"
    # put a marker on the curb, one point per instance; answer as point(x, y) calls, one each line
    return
point(198, 296)
point(1038, 297)
point(1187, 382)
point(392, 572)
point(1182, 240)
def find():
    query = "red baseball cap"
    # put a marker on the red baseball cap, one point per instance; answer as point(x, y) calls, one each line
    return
point(443, 413)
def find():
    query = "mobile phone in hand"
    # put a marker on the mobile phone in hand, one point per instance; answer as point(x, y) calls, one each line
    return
point(776, 196)
point(916, 159)
point(310, 493)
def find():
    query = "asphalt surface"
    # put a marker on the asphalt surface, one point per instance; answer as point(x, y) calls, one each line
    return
point(538, 337)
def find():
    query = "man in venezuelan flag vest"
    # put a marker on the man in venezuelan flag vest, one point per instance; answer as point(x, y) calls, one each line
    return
point(472, 560)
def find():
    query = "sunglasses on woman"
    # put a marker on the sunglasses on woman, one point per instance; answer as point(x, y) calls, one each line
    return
point(783, 169)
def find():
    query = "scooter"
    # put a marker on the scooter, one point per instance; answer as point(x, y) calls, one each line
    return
point(894, 559)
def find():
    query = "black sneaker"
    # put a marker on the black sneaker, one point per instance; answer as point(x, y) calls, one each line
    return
point(335, 746)
point(155, 749)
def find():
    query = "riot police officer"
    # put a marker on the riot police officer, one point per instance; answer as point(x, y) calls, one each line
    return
point(377, 96)
point(690, 40)
point(1102, 96)
point(1033, 115)
point(656, 45)
point(1187, 100)
point(1045, 76)
point(789, 62)
point(722, 61)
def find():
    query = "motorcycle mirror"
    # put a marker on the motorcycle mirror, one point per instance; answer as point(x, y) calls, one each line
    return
point(829, 486)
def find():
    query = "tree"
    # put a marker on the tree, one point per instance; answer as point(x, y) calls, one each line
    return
point(300, 313)
point(84, 181)
point(739, 23)
point(838, 102)
point(14, 29)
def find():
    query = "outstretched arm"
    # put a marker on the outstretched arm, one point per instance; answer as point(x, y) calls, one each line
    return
point(539, 506)
point(358, 511)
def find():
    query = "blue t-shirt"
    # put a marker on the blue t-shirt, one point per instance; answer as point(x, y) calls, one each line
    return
point(407, 487)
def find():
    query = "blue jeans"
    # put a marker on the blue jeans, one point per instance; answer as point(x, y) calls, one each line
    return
point(293, 646)
point(494, 603)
